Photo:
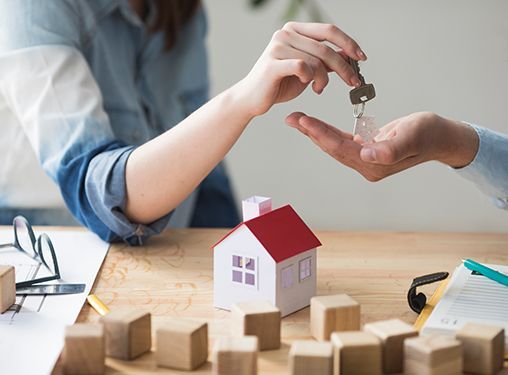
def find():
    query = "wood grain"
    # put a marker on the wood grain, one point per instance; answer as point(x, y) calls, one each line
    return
point(172, 277)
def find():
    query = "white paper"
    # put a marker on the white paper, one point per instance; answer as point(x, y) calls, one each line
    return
point(470, 298)
point(32, 331)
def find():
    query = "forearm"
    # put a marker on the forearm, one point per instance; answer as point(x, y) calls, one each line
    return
point(163, 172)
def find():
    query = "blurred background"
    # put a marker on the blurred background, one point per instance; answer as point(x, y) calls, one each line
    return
point(449, 57)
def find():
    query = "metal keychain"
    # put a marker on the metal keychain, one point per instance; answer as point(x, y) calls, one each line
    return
point(362, 94)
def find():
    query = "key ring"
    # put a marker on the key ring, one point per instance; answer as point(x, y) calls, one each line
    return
point(356, 113)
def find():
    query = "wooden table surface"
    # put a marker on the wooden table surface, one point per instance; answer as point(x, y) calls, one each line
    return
point(172, 277)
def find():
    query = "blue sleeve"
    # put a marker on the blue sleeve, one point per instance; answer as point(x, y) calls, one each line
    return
point(41, 63)
point(93, 187)
point(489, 169)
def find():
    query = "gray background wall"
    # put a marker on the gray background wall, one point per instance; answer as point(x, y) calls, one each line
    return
point(450, 57)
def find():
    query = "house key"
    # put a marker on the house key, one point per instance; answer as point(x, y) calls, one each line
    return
point(362, 94)
point(365, 126)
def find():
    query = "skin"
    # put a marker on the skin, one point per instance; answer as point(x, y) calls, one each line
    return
point(401, 144)
point(161, 173)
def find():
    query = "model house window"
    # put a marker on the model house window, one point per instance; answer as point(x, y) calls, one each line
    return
point(244, 270)
point(305, 271)
point(287, 277)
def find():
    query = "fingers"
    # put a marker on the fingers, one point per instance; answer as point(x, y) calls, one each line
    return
point(388, 152)
point(374, 161)
point(319, 72)
point(293, 67)
point(333, 60)
point(331, 33)
point(301, 120)
point(331, 140)
point(308, 38)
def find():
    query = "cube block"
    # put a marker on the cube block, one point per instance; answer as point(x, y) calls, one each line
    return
point(333, 313)
point(432, 355)
point(84, 350)
point(257, 318)
point(392, 334)
point(7, 287)
point(356, 353)
point(483, 347)
point(182, 344)
point(311, 357)
point(128, 334)
point(235, 356)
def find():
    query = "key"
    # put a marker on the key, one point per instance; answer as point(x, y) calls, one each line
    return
point(362, 94)
point(366, 128)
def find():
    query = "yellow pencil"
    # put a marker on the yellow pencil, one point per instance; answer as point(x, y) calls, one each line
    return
point(97, 304)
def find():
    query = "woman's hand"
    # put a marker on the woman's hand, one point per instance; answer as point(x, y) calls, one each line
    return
point(401, 144)
point(295, 57)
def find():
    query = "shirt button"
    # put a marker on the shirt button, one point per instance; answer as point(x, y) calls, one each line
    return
point(140, 231)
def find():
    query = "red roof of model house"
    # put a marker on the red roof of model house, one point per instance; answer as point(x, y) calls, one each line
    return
point(281, 232)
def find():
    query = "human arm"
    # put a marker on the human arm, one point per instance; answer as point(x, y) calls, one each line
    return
point(292, 60)
point(476, 153)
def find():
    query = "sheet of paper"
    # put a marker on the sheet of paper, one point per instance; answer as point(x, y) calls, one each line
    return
point(32, 331)
point(470, 298)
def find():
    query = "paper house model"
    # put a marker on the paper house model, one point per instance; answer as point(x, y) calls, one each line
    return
point(271, 255)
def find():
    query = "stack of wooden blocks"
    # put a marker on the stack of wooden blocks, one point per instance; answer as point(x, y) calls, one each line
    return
point(181, 344)
point(389, 346)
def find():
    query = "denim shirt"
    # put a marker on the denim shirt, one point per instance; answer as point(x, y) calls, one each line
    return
point(83, 84)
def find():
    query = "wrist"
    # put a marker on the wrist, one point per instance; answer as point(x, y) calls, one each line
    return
point(459, 143)
point(240, 100)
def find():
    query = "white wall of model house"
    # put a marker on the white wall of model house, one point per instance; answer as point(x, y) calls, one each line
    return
point(243, 243)
point(295, 295)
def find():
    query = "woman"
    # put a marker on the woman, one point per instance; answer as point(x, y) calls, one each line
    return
point(110, 96)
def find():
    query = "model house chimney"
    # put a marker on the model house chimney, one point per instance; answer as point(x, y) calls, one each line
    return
point(256, 206)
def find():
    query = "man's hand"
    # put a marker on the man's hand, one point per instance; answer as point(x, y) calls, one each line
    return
point(401, 144)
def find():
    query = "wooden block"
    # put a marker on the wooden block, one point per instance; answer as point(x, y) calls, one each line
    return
point(235, 356)
point(128, 334)
point(182, 344)
point(392, 334)
point(432, 355)
point(356, 353)
point(84, 349)
point(7, 288)
point(257, 318)
point(483, 348)
point(333, 313)
point(311, 357)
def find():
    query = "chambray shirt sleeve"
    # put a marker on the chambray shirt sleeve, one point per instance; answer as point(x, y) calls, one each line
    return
point(489, 169)
point(48, 85)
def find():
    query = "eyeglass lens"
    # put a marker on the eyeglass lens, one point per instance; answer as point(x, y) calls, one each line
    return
point(24, 236)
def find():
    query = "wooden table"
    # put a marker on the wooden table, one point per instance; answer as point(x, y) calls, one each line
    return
point(172, 277)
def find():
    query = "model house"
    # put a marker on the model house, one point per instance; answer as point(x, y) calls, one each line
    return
point(271, 255)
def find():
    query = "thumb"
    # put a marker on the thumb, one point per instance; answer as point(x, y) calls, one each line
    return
point(386, 152)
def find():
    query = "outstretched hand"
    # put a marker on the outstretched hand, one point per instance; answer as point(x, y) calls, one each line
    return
point(401, 144)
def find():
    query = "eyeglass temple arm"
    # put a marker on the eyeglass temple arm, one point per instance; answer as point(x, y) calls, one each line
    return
point(6, 245)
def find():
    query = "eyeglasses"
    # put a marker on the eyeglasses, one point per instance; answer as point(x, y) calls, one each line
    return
point(40, 249)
